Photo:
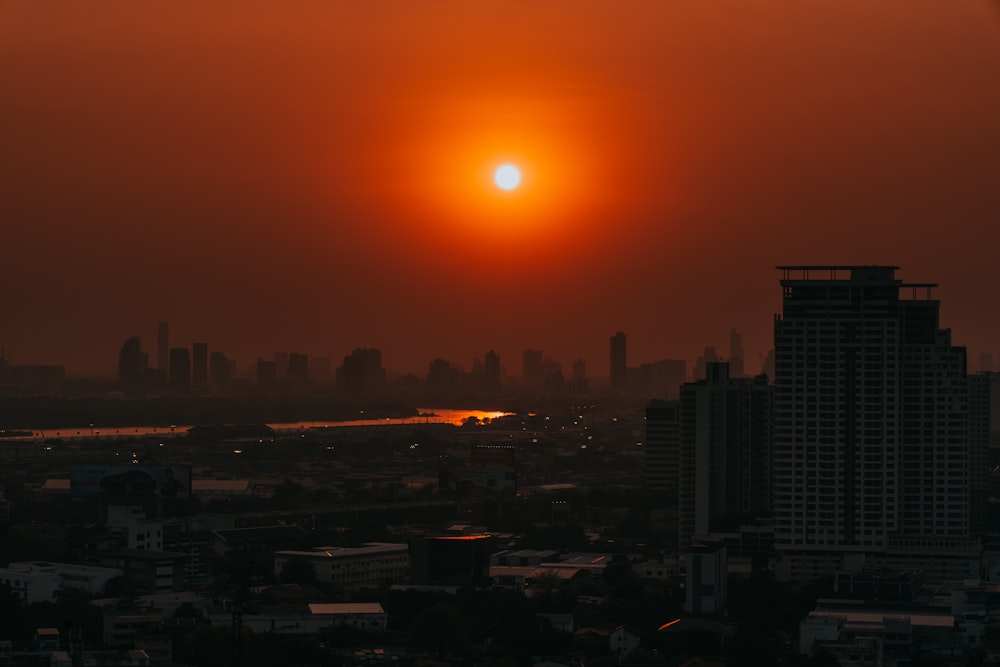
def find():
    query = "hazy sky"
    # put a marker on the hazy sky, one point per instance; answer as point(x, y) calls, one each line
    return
point(315, 175)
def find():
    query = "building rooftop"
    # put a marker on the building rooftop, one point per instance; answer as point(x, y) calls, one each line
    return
point(345, 552)
point(328, 608)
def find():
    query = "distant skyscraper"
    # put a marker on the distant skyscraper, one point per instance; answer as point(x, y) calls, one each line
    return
point(619, 362)
point(163, 349)
point(662, 378)
point(180, 370)
point(298, 368)
point(443, 377)
point(701, 363)
point(986, 362)
point(362, 372)
point(132, 362)
point(267, 374)
point(199, 364)
point(532, 368)
point(735, 354)
point(281, 363)
point(492, 370)
point(872, 437)
point(219, 370)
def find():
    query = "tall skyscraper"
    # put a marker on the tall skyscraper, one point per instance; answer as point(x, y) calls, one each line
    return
point(725, 453)
point(872, 447)
point(199, 364)
point(163, 349)
point(219, 371)
point(662, 446)
point(735, 360)
point(362, 372)
point(532, 368)
point(180, 370)
point(619, 362)
point(492, 370)
point(132, 362)
point(298, 368)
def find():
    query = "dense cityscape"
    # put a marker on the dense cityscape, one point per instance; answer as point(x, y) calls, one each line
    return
point(835, 503)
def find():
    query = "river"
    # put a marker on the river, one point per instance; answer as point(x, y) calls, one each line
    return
point(97, 431)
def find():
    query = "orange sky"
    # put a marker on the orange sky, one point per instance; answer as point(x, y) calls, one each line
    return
point(314, 175)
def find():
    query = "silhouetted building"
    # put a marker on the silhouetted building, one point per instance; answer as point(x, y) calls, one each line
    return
point(710, 356)
point(163, 349)
point(267, 374)
point(872, 438)
point(578, 384)
point(492, 371)
point(725, 471)
point(443, 377)
point(131, 365)
point(735, 354)
point(199, 364)
point(298, 368)
point(362, 372)
point(986, 364)
point(219, 370)
point(180, 370)
point(619, 362)
point(662, 379)
point(281, 364)
point(662, 446)
point(767, 365)
point(532, 371)
point(31, 380)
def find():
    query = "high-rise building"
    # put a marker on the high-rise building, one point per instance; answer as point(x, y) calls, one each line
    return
point(661, 378)
point(492, 370)
point(662, 446)
point(132, 363)
point(619, 362)
point(219, 370)
point(199, 364)
point(267, 374)
point(298, 368)
point(872, 447)
point(180, 370)
point(281, 364)
point(362, 372)
point(532, 368)
point(736, 369)
point(163, 349)
point(725, 453)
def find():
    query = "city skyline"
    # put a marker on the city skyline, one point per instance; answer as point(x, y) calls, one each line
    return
point(317, 177)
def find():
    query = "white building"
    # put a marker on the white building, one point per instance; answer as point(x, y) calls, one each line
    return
point(38, 581)
point(137, 532)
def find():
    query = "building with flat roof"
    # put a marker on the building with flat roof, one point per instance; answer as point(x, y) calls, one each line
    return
point(38, 581)
point(368, 566)
point(872, 416)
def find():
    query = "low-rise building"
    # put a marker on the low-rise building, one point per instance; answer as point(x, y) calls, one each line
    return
point(370, 565)
point(38, 581)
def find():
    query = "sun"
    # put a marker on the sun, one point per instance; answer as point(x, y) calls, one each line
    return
point(507, 177)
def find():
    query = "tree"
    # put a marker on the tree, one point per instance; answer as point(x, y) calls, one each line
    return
point(441, 627)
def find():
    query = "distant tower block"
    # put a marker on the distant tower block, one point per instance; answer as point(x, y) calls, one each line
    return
point(619, 362)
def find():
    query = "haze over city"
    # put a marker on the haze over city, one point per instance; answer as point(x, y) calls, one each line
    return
point(317, 176)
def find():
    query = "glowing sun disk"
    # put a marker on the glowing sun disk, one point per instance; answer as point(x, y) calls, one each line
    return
point(507, 177)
